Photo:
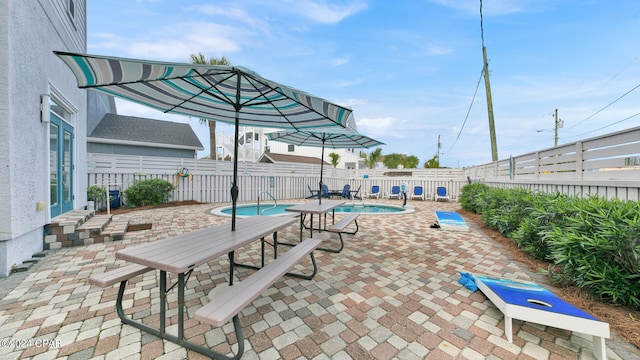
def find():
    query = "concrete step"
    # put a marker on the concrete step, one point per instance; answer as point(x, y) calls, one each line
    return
point(81, 227)
point(27, 264)
point(96, 223)
point(116, 229)
point(73, 218)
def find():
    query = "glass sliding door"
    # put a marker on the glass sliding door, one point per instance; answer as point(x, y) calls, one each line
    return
point(60, 162)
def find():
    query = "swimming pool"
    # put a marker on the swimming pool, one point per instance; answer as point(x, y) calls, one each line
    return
point(267, 209)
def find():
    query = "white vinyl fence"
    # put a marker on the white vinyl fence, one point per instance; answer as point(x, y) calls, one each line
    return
point(607, 166)
point(209, 181)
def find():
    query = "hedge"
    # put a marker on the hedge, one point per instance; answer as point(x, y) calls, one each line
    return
point(594, 243)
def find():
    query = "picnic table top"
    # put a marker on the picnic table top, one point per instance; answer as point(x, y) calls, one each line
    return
point(181, 253)
point(315, 207)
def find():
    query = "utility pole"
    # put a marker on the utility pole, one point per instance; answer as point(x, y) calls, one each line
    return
point(487, 85)
point(492, 126)
point(558, 125)
point(438, 151)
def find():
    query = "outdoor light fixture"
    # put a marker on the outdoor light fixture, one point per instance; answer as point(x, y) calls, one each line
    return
point(44, 108)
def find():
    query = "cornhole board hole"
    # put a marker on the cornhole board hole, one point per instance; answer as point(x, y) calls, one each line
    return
point(451, 220)
point(533, 303)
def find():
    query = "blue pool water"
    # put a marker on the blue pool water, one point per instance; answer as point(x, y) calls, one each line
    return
point(270, 210)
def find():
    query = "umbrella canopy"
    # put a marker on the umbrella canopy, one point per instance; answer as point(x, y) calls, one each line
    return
point(345, 139)
point(221, 93)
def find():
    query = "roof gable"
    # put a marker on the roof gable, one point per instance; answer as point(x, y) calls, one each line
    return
point(269, 157)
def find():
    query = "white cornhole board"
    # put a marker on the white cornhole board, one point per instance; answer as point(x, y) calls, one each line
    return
point(451, 220)
point(533, 303)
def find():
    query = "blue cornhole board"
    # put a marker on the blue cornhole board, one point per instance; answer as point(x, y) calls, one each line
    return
point(531, 302)
point(451, 220)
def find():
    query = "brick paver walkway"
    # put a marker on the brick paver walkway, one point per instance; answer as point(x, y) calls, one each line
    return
point(393, 293)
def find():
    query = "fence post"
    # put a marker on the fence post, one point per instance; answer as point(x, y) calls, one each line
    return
point(579, 161)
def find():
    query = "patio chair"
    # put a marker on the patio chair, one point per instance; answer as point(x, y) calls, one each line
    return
point(441, 193)
point(418, 193)
point(325, 191)
point(346, 192)
point(314, 193)
point(395, 192)
point(354, 193)
point(375, 192)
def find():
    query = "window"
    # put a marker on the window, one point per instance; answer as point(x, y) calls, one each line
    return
point(71, 9)
point(291, 148)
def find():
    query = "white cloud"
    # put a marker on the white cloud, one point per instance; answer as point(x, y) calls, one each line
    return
point(339, 61)
point(380, 127)
point(235, 14)
point(184, 39)
point(434, 49)
point(323, 11)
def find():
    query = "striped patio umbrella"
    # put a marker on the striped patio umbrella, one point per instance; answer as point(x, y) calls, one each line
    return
point(230, 94)
point(345, 139)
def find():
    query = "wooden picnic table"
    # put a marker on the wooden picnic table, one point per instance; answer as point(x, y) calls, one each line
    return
point(183, 253)
point(315, 207)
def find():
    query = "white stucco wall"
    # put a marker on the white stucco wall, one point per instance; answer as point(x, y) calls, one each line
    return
point(30, 30)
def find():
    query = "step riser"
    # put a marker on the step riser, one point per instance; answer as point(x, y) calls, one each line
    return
point(80, 228)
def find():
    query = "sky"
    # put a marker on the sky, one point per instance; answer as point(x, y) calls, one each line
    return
point(410, 69)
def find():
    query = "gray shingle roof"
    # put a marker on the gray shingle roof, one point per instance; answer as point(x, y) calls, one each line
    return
point(269, 157)
point(131, 128)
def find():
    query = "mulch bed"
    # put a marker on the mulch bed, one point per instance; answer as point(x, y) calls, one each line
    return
point(124, 210)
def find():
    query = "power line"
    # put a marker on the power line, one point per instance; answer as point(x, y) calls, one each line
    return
point(606, 126)
point(468, 110)
point(611, 103)
point(481, 27)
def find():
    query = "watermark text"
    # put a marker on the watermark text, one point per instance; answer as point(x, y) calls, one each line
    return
point(29, 343)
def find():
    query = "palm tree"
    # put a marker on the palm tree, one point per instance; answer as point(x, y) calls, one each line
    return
point(200, 59)
point(372, 158)
point(335, 159)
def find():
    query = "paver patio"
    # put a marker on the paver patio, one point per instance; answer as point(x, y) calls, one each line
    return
point(392, 293)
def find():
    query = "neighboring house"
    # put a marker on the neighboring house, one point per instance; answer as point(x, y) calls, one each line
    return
point(253, 143)
point(130, 135)
point(43, 117)
point(349, 158)
point(270, 158)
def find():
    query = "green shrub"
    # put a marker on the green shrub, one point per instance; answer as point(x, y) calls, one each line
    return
point(549, 211)
point(593, 243)
point(506, 208)
point(148, 192)
point(598, 248)
point(471, 197)
point(96, 193)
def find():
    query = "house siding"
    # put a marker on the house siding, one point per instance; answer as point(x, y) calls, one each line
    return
point(29, 32)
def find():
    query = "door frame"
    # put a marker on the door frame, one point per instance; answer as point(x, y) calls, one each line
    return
point(64, 117)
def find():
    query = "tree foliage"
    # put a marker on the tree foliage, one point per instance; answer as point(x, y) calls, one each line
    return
point(200, 59)
point(372, 158)
point(411, 162)
point(335, 159)
point(433, 163)
point(392, 161)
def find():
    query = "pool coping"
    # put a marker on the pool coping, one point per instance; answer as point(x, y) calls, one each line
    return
point(408, 209)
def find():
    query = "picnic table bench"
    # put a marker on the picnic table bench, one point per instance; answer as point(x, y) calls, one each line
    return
point(183, 253)
point(322, 208)
point(340, 227)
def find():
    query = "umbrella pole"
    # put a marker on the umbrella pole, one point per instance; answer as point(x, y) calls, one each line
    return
point(321, 171)
point(234, 184)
